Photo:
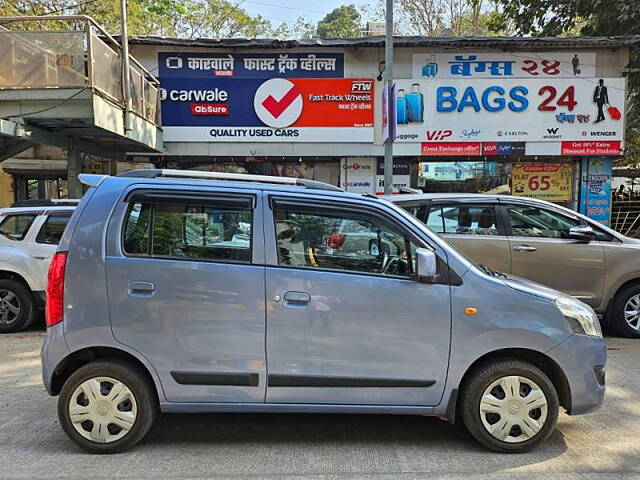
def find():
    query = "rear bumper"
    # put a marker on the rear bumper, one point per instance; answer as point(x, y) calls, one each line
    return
point(583, 361)
point(54, 350)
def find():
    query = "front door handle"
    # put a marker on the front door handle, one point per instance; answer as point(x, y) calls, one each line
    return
point(41, 257)
point(299, 298)
point(523, 248)
point(139, 286)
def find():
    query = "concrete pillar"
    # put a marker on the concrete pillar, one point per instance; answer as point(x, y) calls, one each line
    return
point(74, 168)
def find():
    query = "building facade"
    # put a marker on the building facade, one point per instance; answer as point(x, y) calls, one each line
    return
point(542, 118)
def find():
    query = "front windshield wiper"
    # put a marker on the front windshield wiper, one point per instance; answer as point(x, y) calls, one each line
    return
point(491, 272)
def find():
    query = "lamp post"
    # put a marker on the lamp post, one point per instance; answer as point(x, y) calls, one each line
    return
point(388, 80)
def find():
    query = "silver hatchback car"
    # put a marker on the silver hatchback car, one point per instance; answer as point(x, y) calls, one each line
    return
point(543, 242)
point(181, 291)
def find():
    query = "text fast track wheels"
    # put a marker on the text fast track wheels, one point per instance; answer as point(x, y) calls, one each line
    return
point(106, 406)
point(509, 406)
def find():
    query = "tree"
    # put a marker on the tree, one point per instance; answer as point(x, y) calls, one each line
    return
point(301, 28)
point(342, 22)
point(585, 17)
point(183, 18)
point(433, 17)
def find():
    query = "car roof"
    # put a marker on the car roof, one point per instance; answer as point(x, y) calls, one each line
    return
point(414, 197)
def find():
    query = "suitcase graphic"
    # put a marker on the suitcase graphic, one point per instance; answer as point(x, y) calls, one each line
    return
point(614, 113)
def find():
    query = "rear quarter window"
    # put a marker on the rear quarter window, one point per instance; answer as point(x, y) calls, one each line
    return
point(16, 226)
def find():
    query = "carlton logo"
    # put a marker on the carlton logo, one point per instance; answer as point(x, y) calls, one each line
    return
point(278, 103)
point(436, 135)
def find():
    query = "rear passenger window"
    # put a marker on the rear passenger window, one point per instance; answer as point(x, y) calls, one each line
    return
point(53, 228)
point(463, 220)
point(189, 231)
point(16, 227)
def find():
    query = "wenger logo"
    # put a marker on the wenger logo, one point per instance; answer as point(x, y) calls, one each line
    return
point(552, 131)
point(438, 134)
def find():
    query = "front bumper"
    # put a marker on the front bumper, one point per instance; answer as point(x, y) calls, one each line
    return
point(583, 360)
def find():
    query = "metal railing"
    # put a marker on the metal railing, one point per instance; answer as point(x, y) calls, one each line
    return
point(82, 56)
point(625, 217)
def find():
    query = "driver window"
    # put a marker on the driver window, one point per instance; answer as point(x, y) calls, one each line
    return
point(528, 221)
point(349, 242)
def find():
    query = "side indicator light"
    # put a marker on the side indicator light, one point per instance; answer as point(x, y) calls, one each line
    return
point(470, 311)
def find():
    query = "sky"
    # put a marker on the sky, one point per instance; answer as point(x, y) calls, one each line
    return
point(278, 11)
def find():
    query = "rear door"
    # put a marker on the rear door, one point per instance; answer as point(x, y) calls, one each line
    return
point(347, 323)
point(475, 228)
point(542, 251)
point(47, 237)
point(186, 290)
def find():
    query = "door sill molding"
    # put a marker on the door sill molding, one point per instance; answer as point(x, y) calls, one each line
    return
point(172, 407)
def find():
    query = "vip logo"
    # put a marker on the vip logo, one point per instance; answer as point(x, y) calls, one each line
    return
point(438, 134)
point(552, 131)
point(361, 86)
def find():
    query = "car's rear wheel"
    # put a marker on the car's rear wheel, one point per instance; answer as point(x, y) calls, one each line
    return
point(509, 406)
point(107, 406)
point(17, 308)
point(626, 312)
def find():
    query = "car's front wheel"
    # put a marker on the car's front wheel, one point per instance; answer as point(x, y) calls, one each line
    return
point(626, 312)
point(106, 406)
point(509, 406)
point(17, 308)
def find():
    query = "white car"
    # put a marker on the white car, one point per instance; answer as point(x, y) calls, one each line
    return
point(29, 235)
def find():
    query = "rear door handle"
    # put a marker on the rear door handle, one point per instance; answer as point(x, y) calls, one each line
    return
point(40, 257)
point(139, 286)
point(299, 298)
point(523, 248)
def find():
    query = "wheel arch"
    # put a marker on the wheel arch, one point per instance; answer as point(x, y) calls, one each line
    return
point(72, 362)
point(11, 275)
point(539, 359)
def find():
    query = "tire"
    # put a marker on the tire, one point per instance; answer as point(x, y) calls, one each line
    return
point(135, 401)
point(629, 296)
point(523, 430)
point(15, 295)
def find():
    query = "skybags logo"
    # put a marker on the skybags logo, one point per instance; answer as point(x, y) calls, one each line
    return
point(552, 133)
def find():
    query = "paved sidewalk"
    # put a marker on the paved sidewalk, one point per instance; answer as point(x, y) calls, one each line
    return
point(605, 444)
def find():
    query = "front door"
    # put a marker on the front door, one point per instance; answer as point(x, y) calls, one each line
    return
point(542, 251)
point(346, 321)
point(186, 290)
point(474, 228)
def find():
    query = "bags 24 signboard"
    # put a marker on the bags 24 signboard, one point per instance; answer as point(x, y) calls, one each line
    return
point(267, 110)
point(503, 110)
point(504, 65)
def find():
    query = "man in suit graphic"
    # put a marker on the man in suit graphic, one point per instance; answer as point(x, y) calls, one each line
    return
point(600, 98)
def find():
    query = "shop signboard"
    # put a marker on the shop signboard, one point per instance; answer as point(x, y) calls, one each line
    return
point(504, 65)
point(544, 181)
point(510, 110)
point(595, 189)
point(357, 174)
point(401, 175)
point(590, 148)
point(267, 110)
point(250, 65)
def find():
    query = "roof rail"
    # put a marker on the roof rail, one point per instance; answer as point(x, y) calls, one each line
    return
point(237, 177)
point(47, 202)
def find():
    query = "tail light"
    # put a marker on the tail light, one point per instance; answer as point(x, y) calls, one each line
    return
point(55, 290)
point(336, 240)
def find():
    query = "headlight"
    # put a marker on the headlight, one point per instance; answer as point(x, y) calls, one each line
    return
point(581, 316)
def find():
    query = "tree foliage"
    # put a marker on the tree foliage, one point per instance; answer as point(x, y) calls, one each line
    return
point(584, 17)
point(342, 22)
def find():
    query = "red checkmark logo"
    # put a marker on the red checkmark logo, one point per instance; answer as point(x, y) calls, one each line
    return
point(276, 107)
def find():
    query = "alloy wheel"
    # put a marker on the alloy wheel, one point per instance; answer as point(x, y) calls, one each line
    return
point(103, 409)
point(632, 312)
point(513, 409)
point(9, 306)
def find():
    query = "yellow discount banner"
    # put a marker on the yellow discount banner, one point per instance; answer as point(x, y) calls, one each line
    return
point(545, 181)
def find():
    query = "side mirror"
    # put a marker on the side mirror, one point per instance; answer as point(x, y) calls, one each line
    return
point(582, 233)
point(426, 265)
